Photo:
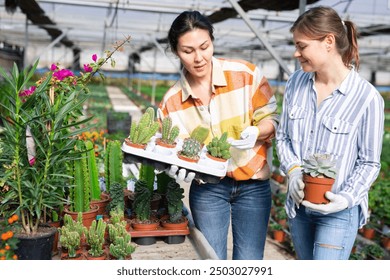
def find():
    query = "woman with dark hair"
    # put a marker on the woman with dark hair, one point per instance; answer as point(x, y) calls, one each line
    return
point(329, 108)
point(230, 96)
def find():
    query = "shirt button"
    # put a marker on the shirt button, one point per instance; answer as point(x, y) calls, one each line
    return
point(311, 131)
point(201, 108)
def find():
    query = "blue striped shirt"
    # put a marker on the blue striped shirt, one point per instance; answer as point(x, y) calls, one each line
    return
point(348, 125)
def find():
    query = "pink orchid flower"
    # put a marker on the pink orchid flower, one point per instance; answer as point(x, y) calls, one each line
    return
point(94, 57)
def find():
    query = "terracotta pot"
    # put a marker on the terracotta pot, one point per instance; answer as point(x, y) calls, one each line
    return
point(102, 203)
point(315, 189)
point(163, 144)
point(279, 235)
point(102, 257)
point(134, 145)
point(183, 224)
point(369, 233)
point(386, 242)
point(215, 158)
point(187, 158)
point(88, 216)
point(151, 225)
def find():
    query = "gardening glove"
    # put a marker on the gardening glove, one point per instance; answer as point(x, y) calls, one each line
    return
point(336, 204)
point(296, 186)
point(180, 175)
point(248, 138)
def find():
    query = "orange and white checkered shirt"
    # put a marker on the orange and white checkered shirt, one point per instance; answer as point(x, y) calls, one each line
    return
point(241, 97)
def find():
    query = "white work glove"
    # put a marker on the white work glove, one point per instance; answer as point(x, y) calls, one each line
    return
point(180, 175)
point(248, 138)
point(336, 204)
point(296, 186)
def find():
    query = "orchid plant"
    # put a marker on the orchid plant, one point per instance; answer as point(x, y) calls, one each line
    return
point(41, 124)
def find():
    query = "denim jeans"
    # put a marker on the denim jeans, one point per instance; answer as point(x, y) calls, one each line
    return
point(324, 237)
point(246, 203)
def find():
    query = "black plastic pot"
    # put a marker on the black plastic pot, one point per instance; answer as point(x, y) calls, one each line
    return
point(145, 240)
point(175, 239)
point(37, 247)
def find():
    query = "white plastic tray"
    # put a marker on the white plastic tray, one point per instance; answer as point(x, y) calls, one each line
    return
point(161, 158)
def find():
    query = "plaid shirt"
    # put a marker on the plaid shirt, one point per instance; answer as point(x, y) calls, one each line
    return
point(241, 97)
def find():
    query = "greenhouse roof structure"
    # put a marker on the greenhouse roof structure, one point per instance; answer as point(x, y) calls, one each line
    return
point(256, 30)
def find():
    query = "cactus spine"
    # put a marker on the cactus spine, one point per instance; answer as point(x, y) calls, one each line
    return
point(219, 147)
point(169, 133)
point(113, 163)
point(174, 199)
point(146, 128)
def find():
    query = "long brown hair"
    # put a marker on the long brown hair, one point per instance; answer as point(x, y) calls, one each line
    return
point(320, 21)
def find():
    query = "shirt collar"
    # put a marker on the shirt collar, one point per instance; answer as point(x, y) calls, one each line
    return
point(218, 79)
point(343, 88)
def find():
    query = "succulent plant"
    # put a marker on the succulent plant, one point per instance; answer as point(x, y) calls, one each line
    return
point(145, 129)
point(200, 134)
point(121, 248)
point(174, 199)
point(169, 133)
point(95, 237)
point(191, 148)
point(117, 197)
point(320, 165)
point(142, 197)
point(113, 164)
point(219, 147)
point(71, 233)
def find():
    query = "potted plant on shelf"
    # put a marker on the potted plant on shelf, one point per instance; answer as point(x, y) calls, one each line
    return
point(144, 130)
point(319, 176)
point(40, 125)
point(278, 233)
point(95, 239)
point(218, 148)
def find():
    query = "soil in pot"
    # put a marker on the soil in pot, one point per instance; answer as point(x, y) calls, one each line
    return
point(315, 189)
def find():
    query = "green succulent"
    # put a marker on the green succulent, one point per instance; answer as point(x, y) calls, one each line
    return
point(219, 147)
point(318, 165)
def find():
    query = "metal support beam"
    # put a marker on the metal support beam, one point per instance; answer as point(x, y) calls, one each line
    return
point(270, 49)
point(52, 44)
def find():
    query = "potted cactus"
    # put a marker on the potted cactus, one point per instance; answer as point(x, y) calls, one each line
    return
point(113, 158)
point(71, 235)
point(192, 145)
point(144, 130)
point(95, 239)
point(218, 148)
point(169, 134)
point(319, 174)
point(81, 186)
point(121, 247)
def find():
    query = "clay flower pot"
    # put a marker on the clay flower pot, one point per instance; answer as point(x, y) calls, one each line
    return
point(134, 145)
point(315, 189)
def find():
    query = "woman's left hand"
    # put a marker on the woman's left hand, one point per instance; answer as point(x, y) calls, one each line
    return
point(248, 138)
point(336, 204)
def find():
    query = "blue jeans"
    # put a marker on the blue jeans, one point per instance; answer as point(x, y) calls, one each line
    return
point(324, 237)
point(247, 203)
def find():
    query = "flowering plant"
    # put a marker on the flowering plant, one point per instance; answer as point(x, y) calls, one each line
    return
point(8, 240)
point(41, 124)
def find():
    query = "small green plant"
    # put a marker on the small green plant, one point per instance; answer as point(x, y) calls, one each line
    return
point(142, 198)
point(190, 148)
point(320, 165)
point(117, 197)
point(95, 237)
point(275, 226)
point(219, 147)
point(145, 129)
point(174, 199)
point(121, 248)
point(374, 250)
point(169, 133)
point(71, 233)
point(200, 134)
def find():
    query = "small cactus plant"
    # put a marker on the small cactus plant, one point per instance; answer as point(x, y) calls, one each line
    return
point(71, 233)
point(174, 199)
point(113, 158)
point(169, 133)
point(121, 248)
point(193, 144)
point(95, 237)
point(145, 129)
point(320, 165)
point(142, 197)
point(219, 147)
